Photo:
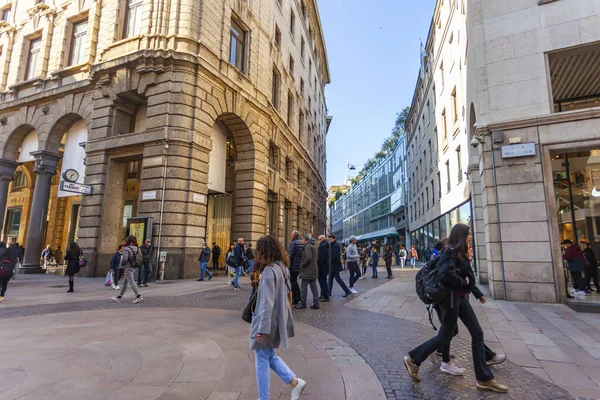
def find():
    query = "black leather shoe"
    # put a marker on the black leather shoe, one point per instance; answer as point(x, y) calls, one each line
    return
point(300, 307)
point(315, 307)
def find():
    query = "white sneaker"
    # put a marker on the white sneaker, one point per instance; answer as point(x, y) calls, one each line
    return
point(451, 369)
point(116, 299)
point(138, 299)
point(580, 293)
point(113, 286)
point(117, 288)
point(297, 391)
point(498, 359)
point(353, 291)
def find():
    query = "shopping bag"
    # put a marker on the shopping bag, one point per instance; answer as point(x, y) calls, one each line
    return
point(109, 279)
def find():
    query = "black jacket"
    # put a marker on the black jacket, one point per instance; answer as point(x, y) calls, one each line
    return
point(249, 254)
point(115, 261)
point(590, 259)
point(216, 251)
point(72, 263)
point(146, 250)
point(336, 253)
point(324, 258)
point(296, 250)
point(452, 271)
point(204, 255)
point(239, 254)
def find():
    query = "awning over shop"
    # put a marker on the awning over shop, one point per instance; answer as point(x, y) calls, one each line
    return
point(378, 234)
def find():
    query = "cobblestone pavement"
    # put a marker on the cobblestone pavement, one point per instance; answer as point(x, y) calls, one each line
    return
point(381, 340)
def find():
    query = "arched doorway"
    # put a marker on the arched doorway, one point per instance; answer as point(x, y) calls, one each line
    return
point(44, 197)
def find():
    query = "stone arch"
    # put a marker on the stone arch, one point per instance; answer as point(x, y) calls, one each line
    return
point(12, 144)
point(52, 140)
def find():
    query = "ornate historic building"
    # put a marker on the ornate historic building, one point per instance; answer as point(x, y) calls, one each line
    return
point(208, 117)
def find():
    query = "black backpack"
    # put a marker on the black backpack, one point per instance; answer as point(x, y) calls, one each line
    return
point(6, 266)
point(429, 288)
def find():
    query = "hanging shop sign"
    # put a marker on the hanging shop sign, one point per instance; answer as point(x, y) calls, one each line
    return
point(75, 188)
point(518, 150)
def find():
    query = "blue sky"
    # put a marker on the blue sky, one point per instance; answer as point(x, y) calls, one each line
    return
point(373, 51)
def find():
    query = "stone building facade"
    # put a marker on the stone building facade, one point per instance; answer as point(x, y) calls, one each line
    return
point(207, 116)
point(533, 97)
point(437, 150)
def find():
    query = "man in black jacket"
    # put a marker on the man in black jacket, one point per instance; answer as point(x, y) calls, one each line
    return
point(203, 260)
point(324, 262)
point(216, 253)
point(146, 269)
point(591, 267)
point(240, 257)
point(336, 267)
point(296, 251)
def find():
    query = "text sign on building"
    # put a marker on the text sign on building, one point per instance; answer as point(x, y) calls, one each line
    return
point(75, 188)
point(150, 195)
point(163, 256)
point(518, 150)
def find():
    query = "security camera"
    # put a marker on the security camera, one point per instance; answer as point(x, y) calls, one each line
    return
point(475, 141)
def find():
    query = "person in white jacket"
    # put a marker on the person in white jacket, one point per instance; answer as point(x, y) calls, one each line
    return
point(352, 256)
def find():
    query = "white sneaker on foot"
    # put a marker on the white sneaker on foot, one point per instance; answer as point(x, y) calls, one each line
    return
point(451, 369)
point(117, 287)
point(116, 299)
point(354, 291)
point(297, 391)
point(138, 299)
point(498, 359)
point(113, 286)
point(434, 358)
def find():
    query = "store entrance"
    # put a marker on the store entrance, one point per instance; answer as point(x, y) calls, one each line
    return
point(576, 178)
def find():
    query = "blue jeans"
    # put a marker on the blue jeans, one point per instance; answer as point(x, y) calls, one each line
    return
point(265, 359)
point(204, 270)
point(412, 262)
point(238, 272)
point(144, 273)
point(374, 266)
point(250, 266)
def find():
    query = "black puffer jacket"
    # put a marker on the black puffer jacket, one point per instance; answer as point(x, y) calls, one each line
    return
point(452, 271)
point(296, 250)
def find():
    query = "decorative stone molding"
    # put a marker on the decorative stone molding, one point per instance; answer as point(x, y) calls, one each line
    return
point(45, 162)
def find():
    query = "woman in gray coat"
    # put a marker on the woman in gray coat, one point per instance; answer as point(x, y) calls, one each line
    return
point(272, 322)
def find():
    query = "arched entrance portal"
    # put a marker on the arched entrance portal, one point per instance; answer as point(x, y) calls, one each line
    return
point(236, 203)
point(44, 196)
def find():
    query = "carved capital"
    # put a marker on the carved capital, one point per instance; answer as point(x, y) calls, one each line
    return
point(7, 170)
point(45, 162)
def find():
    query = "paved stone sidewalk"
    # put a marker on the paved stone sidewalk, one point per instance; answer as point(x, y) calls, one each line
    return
point(551, 341)
point(381, 340)
point(155, 353)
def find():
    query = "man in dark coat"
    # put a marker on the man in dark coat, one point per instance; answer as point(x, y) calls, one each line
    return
point(591, 267)
point(240, 258)
point(309, 272)
point(296, 250)
point(216, 253)
point(324, 263)
point(146, 269)
point(203, 260)
point(336, 266)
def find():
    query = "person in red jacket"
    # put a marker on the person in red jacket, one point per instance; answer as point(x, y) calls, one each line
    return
point(576, 264)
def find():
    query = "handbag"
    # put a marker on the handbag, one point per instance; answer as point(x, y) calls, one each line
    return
point(109, 279)
point(250, 307)
point(82, 261)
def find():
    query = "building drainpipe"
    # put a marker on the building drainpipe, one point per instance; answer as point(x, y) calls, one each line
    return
point(498, 217)
point(162, 208)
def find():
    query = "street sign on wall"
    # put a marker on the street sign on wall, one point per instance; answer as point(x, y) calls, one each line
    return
point(75, 188)
point(518, 150)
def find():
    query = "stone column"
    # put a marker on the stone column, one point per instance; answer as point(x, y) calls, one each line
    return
point(45, 168)
point(7, 170)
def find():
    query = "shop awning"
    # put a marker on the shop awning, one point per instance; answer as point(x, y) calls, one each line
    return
point(378, 234)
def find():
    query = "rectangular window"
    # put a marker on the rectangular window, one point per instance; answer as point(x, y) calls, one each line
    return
point(277, 37)
point(18, 180)
point(13, 222)
point(445, 122)
point(302, 85)
point(133, 170)
point(427, 196)
point(454, 105)
point(291, 65)
point(290, 110)
point(237, 46)
point(448, 183)
point(440, 185)
point(300, 125)
point(273, 156)
point(292, 23)
point(33, 58)
point(289, 169)
point(6, 13)
point(275, 88)
point(77, 52)
point(442, 75)
point(133, 18)
point(459, 163)
point(432, 193)
point(309, 70)
point(430, 150)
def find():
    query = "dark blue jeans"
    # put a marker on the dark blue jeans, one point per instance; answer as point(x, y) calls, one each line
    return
point(451, 313)
point(339, 280)
point(324, 287)
point(144, 273)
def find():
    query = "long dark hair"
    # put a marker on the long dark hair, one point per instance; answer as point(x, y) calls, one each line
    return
point(74, 249)
point(457, 241)
point(268, 250)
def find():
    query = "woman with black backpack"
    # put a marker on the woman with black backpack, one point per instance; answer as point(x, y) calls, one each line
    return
point(455, 272)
